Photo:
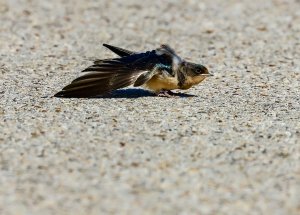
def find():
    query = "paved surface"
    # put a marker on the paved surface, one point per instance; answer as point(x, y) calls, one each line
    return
point(233, 148)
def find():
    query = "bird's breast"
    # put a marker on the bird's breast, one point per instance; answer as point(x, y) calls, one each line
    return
point(159, 82)
point(191, 81)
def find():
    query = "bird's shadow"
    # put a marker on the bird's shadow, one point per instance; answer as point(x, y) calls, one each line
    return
point(137, 93)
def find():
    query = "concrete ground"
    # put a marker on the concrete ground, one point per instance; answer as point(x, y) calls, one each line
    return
point(232, 148)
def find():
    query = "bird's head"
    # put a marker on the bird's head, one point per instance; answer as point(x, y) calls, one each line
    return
point(197, 69)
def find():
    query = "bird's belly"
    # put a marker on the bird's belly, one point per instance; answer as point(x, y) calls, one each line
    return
point(159, 82)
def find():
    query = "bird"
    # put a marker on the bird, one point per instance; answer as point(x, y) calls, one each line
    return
point(159, 71)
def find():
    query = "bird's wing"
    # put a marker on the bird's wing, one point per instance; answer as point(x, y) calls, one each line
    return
point(119, 51)
point(170, 58)
point(111, 74)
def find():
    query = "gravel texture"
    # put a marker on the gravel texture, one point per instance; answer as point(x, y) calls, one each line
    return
point(232, 148)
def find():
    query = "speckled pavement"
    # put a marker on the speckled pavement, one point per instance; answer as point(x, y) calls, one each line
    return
point(230, 145)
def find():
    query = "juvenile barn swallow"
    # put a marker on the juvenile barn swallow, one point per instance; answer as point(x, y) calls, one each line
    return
point(160, 71)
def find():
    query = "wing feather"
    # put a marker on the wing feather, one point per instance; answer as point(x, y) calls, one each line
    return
point(119, 51)
point(111, 74)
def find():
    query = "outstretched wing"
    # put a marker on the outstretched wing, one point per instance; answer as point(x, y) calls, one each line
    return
point(111, 74)
point(119, 51)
